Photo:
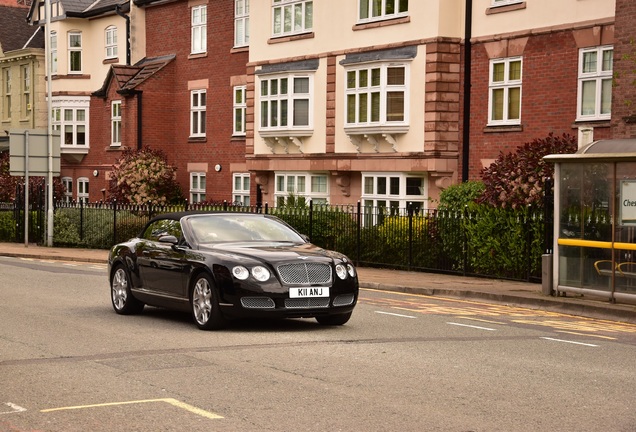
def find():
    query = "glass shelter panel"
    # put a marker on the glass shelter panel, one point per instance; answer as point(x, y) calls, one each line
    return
point(585, 224)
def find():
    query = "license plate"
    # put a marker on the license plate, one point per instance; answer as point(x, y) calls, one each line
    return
point(309, 292)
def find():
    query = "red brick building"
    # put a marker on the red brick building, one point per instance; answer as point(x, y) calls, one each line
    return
point(179, 99)
point(537, 79)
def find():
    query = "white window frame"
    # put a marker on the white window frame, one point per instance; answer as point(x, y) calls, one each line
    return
point(395, 201)
point(26, 89)
point(600, 77)
point(6, 93)
point(239, 106)
point(197, 187)
point(115, 123)
point(241, 189)
point(363, 95)
point(277, 108)
point(199, 39)
point(53, 53)
point(300, 185)
point(67, 182)
point(366, 12)
point(496, 3)
point(505, 85)
point(111, 42)
point(83, 189)
point(198, 102)
point(299, 13)
point(66, 113)
point(241, 23)
point(74, 50)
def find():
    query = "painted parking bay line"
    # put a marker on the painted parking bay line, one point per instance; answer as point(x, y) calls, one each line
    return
point(173, 402)
point(14, 408)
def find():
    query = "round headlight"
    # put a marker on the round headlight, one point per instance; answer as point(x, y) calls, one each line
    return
point(341, 271)
point(260, 273)
point(351, 270)
point(240, 272)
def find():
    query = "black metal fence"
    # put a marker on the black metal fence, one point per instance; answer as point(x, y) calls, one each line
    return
point(488, 242)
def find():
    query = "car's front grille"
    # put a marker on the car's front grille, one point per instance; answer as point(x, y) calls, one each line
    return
point(305, 273)
point(343, 300)
point(257, 303)
point(307, 303)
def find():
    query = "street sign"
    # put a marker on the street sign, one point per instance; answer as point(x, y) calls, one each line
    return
point(31, 145)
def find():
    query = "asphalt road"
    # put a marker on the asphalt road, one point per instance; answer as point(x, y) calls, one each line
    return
point(403, 363)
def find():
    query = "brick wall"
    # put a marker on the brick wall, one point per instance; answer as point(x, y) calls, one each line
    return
point(624, 93)
point(549, 98)
point(168, 32)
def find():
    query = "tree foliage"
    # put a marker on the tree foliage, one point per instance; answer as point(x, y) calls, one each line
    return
point(144, 176)
point(8, 183)
point(518, 179)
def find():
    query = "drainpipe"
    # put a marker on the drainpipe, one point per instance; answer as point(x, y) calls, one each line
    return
point(127, 18)
point(467, 79)
point(139, 120)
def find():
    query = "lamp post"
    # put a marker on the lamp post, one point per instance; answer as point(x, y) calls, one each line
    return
point(49, 96)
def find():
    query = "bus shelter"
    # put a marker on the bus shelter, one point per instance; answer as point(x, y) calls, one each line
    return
point(595, 221)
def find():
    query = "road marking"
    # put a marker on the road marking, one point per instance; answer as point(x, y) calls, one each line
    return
point(471, 326)
point(394, 314)
point(587, 335)
point(170, 401)
point(570, 342)
point(14, 408)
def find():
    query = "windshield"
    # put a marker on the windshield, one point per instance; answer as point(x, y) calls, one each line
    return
point(213, 228)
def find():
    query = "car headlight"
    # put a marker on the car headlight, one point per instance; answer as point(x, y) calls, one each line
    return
point(341, 271)
point(240, 272)
point(351, 270)
point(260, 273)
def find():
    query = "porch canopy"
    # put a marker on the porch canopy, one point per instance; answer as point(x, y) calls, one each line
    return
point(595, 220)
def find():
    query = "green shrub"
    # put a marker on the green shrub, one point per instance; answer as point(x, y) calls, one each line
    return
point(497, 241)
point(7, 226)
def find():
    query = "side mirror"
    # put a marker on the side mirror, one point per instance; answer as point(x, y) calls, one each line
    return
point(305, 237)
point(169, 239)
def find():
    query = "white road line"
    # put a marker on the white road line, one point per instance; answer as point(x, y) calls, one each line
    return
point(570, 342)
point(394, 314)
point(472, 326)
point(14, 408)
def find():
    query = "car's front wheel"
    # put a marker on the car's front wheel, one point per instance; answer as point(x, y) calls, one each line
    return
point(205, 304)
point(334, 320)
point(123, 301)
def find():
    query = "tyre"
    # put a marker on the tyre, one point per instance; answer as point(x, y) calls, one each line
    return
point(123, 301)
point(204, 303)
point(334, 320)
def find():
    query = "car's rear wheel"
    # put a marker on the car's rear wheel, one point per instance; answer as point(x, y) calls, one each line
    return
point(334, 320)
point(123, 301)
point(205, 304)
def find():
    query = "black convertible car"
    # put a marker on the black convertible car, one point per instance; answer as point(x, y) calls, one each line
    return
point(225, 265)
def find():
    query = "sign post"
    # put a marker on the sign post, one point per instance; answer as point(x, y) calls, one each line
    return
point(33, 153)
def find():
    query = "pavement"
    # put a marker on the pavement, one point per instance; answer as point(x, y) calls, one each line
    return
point(523, 294)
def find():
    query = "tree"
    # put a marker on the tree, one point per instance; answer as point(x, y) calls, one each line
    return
point(144, 176)
point(518, 179)
point(9, 183)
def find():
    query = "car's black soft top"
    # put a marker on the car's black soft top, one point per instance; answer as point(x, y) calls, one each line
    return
point(178, 215)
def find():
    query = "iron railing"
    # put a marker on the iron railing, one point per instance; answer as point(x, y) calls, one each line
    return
point(405, 238)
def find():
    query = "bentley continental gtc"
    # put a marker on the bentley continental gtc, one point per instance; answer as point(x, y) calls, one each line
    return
point(222, 266)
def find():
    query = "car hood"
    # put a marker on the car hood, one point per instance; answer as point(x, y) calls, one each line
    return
point(274, 251)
